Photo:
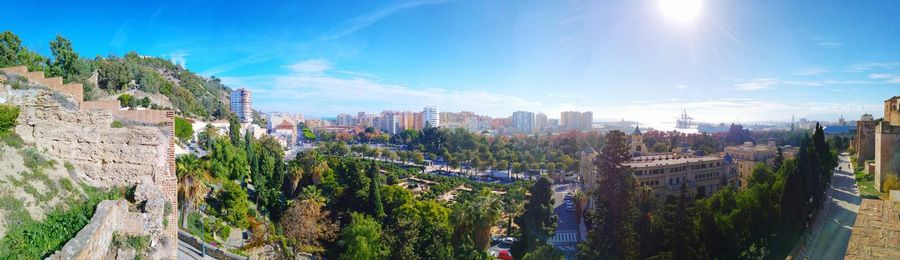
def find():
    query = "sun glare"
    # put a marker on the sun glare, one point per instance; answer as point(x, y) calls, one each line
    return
point(681, 11)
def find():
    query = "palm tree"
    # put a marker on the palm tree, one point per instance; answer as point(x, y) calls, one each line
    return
point(484, 211)
point(295, 173)
point(192, 174)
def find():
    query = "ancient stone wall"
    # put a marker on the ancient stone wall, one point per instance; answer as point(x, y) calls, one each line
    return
point(887, 151)
point(865, 141)
point(93, 241)
point(79, 132)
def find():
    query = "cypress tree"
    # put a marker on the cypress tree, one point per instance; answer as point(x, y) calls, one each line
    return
point(537, 223)
point(377, 209)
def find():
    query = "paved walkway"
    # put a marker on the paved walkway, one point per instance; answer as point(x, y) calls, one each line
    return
point(832, 228)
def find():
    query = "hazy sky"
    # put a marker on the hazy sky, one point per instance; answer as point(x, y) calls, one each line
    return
point(734, 60)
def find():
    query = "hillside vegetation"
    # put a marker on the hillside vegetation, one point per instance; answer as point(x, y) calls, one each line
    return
point(191, 95)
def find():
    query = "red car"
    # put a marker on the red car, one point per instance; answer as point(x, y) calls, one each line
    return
point(504, 255)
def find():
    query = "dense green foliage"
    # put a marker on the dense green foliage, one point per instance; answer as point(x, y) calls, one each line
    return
point(32, 239)
point(183, 129)
point(192, 95)
point(762, 221)
point(537, 223)
point(8, 116)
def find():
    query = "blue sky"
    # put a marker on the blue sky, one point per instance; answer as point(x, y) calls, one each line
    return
point(736, 60)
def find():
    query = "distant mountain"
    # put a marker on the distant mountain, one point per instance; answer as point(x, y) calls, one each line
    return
point(189, 94)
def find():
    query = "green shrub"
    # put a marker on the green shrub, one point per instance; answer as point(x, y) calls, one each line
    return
point(8, 116)
point(34, 160)
point(116, 124)
point(30, 239)
point(12, 139)
point(183, 129)
point(67, 185)
point(69, 167)
point(891, 182)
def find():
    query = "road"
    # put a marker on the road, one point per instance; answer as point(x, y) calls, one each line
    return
point(566, 237)
point(187, 252)
point(831, 230)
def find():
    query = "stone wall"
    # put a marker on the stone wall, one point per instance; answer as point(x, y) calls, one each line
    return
point(93, 241)
point(887, 151)
point(211, 251)
point(865, 141)
point(876, 232)
point(142, 151)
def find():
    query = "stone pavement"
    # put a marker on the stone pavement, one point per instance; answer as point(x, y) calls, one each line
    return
point(876, 234)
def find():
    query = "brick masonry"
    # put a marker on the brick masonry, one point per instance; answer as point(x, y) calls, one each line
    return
point(162, 119)
point(876, 233)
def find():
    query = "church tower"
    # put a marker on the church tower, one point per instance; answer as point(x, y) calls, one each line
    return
point(637, 143)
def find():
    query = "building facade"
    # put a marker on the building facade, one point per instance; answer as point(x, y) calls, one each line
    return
point(540, 122)
point(887, 142)
point(864, 144)
point(242, 104)
point(748, 155)
point(523, 121)
point(431, 116)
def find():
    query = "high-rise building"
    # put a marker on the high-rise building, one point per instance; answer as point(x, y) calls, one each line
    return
point(553, 122)
point(540, 122)
point(418, 121)
point(390, 122)
point(523, 121)
point(242, 104)
point(431, 116)
point(570, 120)
point(344, 120)
point(587, 120)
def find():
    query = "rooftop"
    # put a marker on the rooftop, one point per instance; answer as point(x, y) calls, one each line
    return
point(647, 161)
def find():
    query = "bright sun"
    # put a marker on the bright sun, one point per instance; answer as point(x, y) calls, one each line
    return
point(681, 11)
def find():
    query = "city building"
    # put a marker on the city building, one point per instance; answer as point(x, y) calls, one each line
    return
point(389, 122)
point(431, 116)
point(540, 122)
point(344, 120)
point(242, 104)
point(748, 155)
point(587, 120)
point(274, 119)
point(636, 146)
point(666, 173)
point(574, 120)
point(523, 121)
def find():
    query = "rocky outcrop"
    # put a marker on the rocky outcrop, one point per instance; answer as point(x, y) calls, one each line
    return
point(55, 119)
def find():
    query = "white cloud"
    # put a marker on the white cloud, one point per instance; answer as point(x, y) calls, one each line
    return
point(358, 23)
point(868, 66)
point(681, 86)
point(315, 66)
point(811, 71)
point(827, 43)
point(178, 57)
point(887, 78)
point(756, 84)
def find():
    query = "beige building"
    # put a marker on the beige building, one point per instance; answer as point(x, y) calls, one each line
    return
point(748, 155)
point(666, 173)
point(887, 142)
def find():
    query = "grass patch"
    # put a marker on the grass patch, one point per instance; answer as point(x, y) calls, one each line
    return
point(67, 185)
point(34, 160)
point(12, 139)
point(69, 167)
point(30, 239)
point(866, 183)
point(116, 124)
point(14, 209)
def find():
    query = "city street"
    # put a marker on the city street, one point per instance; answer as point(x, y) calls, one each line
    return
point(832, 228)
point(187, 252)
point(566, 237)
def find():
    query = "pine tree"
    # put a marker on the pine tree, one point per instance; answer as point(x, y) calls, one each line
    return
point(779, 159)
point(611, 233)
point(537, 223)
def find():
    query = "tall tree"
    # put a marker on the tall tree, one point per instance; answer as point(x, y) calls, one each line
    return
point(537, 222)
point(377, 209)
point(64, 58)
point(362, 239)
point(307, 225)
point(191, 173)
point(611, 233)
point(234, 130)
